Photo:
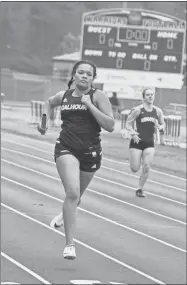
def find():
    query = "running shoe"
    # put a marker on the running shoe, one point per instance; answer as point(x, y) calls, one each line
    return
point(140, 193)
point(57, 221)
point(69, 252)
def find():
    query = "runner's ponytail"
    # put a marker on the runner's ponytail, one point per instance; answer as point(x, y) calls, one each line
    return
point(70, 82)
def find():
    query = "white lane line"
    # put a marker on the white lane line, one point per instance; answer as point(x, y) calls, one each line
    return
point(149, 180)
point(109, 168)
point(137, 207)
point(35, 275)
point(104, 158)
point(96, 192)
point(152, 170)
point(27, 146)
point(104, 195)
point(86, 246)
point(98, 216)
point(9, 282)
point(150, 193)
point(98, 177)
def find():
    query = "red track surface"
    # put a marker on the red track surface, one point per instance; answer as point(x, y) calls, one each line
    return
point(120, 238)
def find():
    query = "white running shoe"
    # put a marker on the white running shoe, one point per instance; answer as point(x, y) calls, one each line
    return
point(57, 221)
point(69, 252)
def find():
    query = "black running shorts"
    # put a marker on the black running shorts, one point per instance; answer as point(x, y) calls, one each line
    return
point(142, 144)
point(90, 161)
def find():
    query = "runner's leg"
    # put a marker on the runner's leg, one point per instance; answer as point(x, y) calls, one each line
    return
point(135, 156)
point(85, 179)
point(68, 169)
point(147, 158)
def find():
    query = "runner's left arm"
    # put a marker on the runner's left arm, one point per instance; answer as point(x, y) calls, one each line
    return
point(101, 109)
point(161, 121)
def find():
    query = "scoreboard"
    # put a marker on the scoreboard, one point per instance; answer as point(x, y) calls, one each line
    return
point(136, 40)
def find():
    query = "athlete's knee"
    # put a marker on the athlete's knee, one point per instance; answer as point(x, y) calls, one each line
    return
point(134, 168)
point(73, 194)
point(146, 168)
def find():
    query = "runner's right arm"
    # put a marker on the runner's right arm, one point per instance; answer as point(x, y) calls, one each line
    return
point(134, 113)
point(52, 102)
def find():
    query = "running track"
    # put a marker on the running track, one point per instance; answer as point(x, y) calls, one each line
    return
point(120, 239)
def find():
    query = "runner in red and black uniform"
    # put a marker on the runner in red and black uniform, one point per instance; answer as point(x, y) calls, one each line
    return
point(84, 111)
point(142, 123)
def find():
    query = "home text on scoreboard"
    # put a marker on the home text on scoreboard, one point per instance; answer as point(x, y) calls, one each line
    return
point(136, 40)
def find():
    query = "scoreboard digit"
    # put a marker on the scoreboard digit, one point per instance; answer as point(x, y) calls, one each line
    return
point(137, 40)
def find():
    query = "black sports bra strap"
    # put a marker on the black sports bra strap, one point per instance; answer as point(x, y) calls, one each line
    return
point(92, 91)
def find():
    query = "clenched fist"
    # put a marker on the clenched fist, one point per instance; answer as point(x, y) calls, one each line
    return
point(86, 100)
point(41, 130)
point(42, 127)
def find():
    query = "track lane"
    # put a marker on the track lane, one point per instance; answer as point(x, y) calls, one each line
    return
point(94, 235)
point(156, 176)
point(120, 175)
point(102, 203)
point(48, 148)
point(55, 267)
point(149, 229)
point(12, 273)
point(131, 214)
point(166, 190)
point(49, 169)
point(105, 186)
point(43, 253)
point(130, 182)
